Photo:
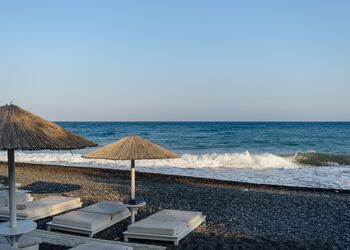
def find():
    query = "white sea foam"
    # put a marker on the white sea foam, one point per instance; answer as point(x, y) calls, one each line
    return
point(254, 168)
point(226, 160)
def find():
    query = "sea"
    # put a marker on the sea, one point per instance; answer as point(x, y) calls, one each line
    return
point(303, 154)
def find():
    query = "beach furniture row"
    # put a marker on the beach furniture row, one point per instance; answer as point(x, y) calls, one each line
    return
point(22, 130)
point(166, 225)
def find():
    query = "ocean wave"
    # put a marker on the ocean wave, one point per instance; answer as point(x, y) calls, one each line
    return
point(265, 168)
point(192, 161)
point(320, 159)
point(213, 160)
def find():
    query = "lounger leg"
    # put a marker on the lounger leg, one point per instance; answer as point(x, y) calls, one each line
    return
point(176, 243)
point(126, 238)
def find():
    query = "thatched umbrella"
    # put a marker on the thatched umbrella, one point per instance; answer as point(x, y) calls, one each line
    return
point(131, 148)
point(22, 130)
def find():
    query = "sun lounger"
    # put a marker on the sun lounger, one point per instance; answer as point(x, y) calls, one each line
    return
point(91, 219)
point(42, 208)
point(20, 197)
point(26, 242)
point(100, 246)
point(166, 225)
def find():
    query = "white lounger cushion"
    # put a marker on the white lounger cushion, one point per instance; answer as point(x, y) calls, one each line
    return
point(24, 241)
point(190, 217)
point(43, 206)
point(158, 227)
point(166, 222)
point(82, 219)
point(94, 216)
point(20, 197)
point(114, 209)
point(100, 246)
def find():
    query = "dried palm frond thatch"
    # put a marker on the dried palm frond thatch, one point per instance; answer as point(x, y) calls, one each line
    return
point(131, 148)
point(22, 130)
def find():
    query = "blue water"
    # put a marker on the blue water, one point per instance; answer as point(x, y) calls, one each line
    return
point(281, 138)
point(285, 153)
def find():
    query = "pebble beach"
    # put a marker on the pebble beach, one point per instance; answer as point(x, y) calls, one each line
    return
point(239, 215)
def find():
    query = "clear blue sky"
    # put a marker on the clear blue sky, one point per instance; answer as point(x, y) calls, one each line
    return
point(177, 60)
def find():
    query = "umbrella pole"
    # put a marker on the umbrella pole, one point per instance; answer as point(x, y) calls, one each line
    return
point(132, 179)
point(12, 191)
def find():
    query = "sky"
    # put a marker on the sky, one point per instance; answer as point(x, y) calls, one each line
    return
point(177, 60)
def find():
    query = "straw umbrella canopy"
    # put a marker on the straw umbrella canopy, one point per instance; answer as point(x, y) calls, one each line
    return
point(22, 130)
point(131, 148)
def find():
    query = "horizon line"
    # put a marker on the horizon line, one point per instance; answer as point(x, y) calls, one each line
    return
point(213, 121)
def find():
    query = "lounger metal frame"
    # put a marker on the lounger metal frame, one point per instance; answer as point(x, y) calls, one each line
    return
point(176, 238)
point(90, 232)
